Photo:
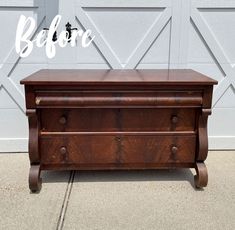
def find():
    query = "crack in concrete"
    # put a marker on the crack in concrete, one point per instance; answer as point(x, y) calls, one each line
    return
point(65, 203)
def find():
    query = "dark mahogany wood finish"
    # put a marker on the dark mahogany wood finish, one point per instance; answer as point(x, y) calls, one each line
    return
point(117, 119)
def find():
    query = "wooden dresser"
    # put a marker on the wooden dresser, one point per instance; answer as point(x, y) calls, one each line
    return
point(117, 119)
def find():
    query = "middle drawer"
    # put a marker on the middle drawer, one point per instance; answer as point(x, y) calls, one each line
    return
point(117, 119)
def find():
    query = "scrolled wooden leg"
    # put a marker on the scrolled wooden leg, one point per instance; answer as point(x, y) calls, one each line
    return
point(35, 182)
point(201, 179)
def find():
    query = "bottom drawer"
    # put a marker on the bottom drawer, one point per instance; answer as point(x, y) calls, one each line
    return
point(117, 149)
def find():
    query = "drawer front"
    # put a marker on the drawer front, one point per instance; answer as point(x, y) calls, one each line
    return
point(119, 99)
point(116, 150)
point(100, 120)
point(161, 149)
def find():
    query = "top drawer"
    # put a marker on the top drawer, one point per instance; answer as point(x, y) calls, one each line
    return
point(120, 99)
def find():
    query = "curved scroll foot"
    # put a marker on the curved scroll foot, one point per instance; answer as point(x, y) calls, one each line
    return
point(201, 178)
point(35, 182)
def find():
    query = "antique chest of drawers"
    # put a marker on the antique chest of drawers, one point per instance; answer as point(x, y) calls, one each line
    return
point(117, 119)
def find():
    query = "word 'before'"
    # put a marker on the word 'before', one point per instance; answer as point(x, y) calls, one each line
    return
point(26, 28)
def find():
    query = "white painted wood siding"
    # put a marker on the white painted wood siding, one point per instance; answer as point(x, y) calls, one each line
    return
point(197, 34)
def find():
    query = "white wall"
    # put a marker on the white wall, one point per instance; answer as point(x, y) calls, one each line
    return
point(195, 34)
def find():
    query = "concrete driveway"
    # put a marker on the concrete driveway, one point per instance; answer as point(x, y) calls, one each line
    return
point(162, 199)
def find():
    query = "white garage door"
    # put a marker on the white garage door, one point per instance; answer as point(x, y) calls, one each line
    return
point(195, 34)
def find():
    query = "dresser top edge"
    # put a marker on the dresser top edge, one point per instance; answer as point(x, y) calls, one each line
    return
point(117, 77)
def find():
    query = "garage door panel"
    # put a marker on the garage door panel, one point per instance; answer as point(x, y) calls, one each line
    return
point(158, 52)
point(195, 34)
point(14, 124)
point(213, 23)
point(217, 18)
point(21, 70)
point(220, 123)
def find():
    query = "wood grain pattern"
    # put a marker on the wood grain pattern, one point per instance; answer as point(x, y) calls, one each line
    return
point(35, 182)
point(202, 137)
point(110, 120)
point(118, 99)
point(114, 119)
point(33, 136)
point(117, 149)
point(201, 179)
point(112, 77)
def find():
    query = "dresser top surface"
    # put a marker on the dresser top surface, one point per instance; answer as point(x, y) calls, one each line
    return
point(112, 77)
